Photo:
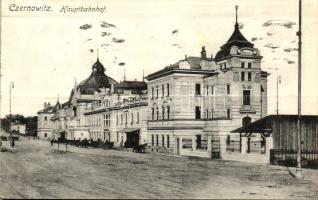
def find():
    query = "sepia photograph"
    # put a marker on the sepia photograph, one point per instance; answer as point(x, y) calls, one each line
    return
point(165, 99)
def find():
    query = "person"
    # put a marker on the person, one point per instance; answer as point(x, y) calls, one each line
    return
point(12, 142)
point(52, 142)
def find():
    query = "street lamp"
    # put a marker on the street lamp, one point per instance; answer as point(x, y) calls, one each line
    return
point(11, 86)
point(278, 81)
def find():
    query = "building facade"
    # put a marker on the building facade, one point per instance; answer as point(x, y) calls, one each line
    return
point(195, 103)
point(45, 125)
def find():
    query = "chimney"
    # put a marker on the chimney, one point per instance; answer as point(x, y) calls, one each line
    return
point(211, 56)
point(203, 53)
point(44, 104)
point(48, 104)
point(185, 56)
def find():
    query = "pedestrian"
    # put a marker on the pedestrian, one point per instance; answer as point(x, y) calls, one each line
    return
point(52, 142)
point(12, 143)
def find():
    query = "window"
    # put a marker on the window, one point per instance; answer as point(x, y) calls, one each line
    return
point(117, 134)
point(249, 76)
point(126, 117)
point(207, 90)
point(157, 140)
point(116, 119)
point(242, 76)
point(168, 141)
point(45, 118)
point(207, 114)
point(152, 140)
point(163, 113)
point(246, 120)
point(228, 89)
point(249, 65)
point(137, 122)
point(212, 89)
point(168, 90)
point(121, 117)
point(152, 93)
point(163, 90)
point(224, 65)
point(242, 64)
point(198, 140)
point(197, 89)
point(157, 111)
point(197, 112)
point(163, 140)
point(152, 113)
point(168, 112)
point(228, 113)
point(228, 140)
point(246, 97)
point(157, 91)
point(45, 134)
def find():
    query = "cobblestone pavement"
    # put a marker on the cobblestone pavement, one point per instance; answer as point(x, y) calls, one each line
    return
point(34, 169)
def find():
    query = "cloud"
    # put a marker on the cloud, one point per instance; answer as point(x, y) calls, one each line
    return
point(86, 26)
point(272, 46)
point(121, 64)
point(105, 34)
point(105, 45)
point(116, 40)
point(177, 45)
point(256, 38)
point(284, 23)
point(91, 50)
point(107, 25)
point(290, 49)
point(175, 31)
point(289, 61)
point(269, 34)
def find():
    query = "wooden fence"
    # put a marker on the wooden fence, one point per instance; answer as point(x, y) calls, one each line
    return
point(289, 158)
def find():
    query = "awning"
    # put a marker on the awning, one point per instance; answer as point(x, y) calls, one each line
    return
point(128, 130)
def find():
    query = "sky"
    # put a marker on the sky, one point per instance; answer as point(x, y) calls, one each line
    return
point(46, 53)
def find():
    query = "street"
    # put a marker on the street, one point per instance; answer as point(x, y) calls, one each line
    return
point(34, 169)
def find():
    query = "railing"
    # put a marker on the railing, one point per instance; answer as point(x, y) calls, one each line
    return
point(289, 158)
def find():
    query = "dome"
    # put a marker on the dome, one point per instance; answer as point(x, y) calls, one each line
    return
point(98, 79)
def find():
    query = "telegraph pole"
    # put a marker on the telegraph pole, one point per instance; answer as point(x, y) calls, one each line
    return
point(10, 87)
point(277, 83)
point(299, 142)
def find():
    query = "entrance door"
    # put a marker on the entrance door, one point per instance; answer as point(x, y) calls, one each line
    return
point(132, 139)
point(178, 146)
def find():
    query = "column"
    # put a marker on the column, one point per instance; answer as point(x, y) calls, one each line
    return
point(222, 145)
point(209, 145)
point(244, 145)
point(269, 146)
point(194, 144)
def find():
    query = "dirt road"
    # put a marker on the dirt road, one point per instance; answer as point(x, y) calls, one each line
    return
point(35, 170)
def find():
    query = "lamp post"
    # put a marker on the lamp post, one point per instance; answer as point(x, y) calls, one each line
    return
point(11, 86)
point(298, 170)
point(278, 81)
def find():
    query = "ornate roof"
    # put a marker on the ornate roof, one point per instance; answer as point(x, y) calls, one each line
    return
point(97, 79)
point(236, 39)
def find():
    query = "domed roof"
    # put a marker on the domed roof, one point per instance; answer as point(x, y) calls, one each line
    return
point(236, 39)
point(97, 79)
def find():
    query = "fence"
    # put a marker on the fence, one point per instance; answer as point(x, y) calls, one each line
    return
point(289, 158)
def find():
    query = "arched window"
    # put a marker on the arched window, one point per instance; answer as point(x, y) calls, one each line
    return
point(246, 120)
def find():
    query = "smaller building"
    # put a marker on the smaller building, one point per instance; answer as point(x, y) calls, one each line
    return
point(280, 139)
point(45, 125)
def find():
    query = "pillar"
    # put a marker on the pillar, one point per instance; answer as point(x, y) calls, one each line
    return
point(269, 146)
point(209, 145)
point(180, 145)
point(194, 144)
point(244, 145)
point(222, 145)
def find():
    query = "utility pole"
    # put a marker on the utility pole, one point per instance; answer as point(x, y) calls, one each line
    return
point(278, 81)
point(10, 87)
point(299, 142)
